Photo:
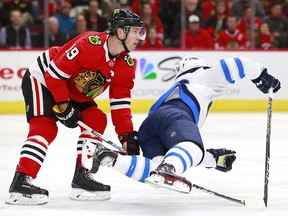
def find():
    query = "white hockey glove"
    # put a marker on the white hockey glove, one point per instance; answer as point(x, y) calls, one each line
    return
point(224, 158)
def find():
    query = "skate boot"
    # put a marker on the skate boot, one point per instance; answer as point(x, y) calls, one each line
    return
point(85, 187)
point(102, 156)
point(164, 176)
point(23, 192)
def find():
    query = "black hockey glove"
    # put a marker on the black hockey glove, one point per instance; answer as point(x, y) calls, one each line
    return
point(69, 117)
point(224, 158)
point(130, 142)
point(266, 81)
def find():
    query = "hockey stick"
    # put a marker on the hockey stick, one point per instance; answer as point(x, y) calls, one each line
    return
point(249, 203)
point(267, 154)
point(100, 136)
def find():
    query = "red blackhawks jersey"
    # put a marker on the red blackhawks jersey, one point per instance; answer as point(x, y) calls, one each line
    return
point(231, 40)
point(81, 70)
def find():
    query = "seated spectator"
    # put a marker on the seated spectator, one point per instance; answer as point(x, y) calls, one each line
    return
point(231, 38)
point(81, 26)
point(66, 23)
point(245, 24)
point(15, 35)
point(150, 19)
point(25, 8)
point(278, 25)
point(95, 21)
point(168, 10)
point(238, 7)
point(55, 36)
point(191, 7)
point(209, 9)
point(265, 38)
point(217, 22)
point(78, 6)
point(196, 37)
point(152, 40)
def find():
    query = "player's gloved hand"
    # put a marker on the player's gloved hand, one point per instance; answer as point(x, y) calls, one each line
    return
point(224, 158)
point(266, 81)
point(69, 116)
point(130, 142)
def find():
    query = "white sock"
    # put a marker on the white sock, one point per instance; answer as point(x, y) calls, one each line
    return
point(183, 156)
point(135, 167)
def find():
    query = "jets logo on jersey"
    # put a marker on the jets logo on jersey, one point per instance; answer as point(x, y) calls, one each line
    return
point(90, 83)
point(129, 60)
point(94, 40)
point(147, 69)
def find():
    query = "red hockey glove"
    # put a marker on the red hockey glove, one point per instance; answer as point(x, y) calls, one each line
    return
point(130, 142)
point(69, 116)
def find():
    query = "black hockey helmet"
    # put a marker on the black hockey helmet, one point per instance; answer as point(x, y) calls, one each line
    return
point(122, 18)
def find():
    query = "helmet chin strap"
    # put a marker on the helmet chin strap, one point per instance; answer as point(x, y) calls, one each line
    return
point(123, 41)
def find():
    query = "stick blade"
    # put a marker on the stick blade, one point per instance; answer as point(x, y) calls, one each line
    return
point(254, 203)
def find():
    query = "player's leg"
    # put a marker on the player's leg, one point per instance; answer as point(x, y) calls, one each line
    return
point(184, 147)
point(42, 131)
point(133, 166)
point(84, 185)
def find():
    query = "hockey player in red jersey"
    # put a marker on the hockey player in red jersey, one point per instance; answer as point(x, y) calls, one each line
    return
point(61, 85)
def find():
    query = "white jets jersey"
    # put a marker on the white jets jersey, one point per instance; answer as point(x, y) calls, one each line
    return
point(203, 85)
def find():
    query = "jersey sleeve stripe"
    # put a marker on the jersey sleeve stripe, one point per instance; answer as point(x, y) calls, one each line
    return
point(45, 59)
point(226, 71)
point(240, 67)
point(56, 73)
point(120, 103)
point(40, 65)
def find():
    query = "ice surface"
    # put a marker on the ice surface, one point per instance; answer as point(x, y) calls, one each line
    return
point(242, 132)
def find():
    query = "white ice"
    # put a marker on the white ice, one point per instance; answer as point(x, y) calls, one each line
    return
point(242, 132)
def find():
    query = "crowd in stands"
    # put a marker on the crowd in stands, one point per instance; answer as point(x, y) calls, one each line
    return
point(205, 24)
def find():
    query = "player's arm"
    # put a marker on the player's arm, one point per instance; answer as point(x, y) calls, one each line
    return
point(228, 71)
point(120, 104)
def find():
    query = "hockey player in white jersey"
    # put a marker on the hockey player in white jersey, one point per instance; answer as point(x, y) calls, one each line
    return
point(169, 137)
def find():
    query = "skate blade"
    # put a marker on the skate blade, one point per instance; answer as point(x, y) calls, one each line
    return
point(84, 195)
point(158, 182)
point(20, 199)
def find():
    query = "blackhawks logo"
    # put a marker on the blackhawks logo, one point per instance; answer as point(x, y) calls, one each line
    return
point(90, 83)
point(129, 60)
point(94, 40)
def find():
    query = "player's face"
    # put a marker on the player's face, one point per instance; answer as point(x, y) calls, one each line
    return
point(135, 35)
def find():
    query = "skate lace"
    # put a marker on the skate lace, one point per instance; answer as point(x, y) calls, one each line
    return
point(29, 181)
point(90, 177)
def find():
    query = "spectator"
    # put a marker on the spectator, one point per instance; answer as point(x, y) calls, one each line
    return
point(15, 35)
point(265, 38)
point(25, 8)
point(238, 7)
point(137, 6)
point(152, 40)
point(125, 4)
point(197, 37)
point(55, 36)
point(151, 20)
point(209, 9)
point(217, 22)
point(78, 6)
point(95, 21)
point(231, 38)
point(278, 25)
point(81, 26)
point(245, 24)
point(191, 7)
point(168, 10)
point(66, 23)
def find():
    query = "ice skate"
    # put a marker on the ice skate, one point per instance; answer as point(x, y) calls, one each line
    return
point(23, 192)
point(102, 156)
point(164, 176)
point(85, 187)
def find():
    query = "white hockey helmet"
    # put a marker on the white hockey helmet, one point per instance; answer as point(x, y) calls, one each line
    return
point(189, 62)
